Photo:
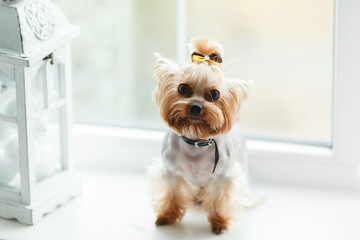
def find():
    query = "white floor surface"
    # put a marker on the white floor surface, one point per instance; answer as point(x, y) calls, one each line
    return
point(116, 205)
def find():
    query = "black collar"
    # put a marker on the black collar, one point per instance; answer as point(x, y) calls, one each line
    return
point(199, 143)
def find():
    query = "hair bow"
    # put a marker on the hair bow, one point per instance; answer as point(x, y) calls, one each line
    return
point(213, 59)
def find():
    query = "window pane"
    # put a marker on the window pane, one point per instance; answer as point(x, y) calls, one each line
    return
point(286, 47)
point(113, 59)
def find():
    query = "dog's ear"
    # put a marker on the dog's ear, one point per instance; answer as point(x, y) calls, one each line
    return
point(238, 92)
point(239, 89)
point(164, 72)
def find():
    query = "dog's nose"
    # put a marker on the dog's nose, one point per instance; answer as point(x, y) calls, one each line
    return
point(195, 109)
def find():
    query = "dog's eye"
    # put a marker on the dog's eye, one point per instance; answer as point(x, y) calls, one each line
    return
point(212, 96)
point(185, 90)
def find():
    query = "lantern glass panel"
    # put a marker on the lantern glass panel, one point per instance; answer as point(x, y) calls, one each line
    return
point(47, 144)
point(54, 81)
point(9, 155)
point(7, 96)
point(38, 86)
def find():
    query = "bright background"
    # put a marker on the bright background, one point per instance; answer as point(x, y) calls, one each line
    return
point(286, 47)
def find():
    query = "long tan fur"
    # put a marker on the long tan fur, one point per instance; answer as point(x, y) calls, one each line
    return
point(170, 196)
point(202, 78)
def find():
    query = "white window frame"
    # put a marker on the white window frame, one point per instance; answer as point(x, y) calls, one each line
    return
point(268, 161)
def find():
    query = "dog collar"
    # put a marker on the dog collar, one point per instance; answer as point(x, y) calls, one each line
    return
point(198, 143)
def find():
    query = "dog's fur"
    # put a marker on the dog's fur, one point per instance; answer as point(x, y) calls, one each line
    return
point(185, 175)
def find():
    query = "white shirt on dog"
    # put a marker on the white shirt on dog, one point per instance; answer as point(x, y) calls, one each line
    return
point(196, 163)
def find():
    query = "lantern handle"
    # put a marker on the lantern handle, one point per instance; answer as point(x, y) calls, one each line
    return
point(51, 57)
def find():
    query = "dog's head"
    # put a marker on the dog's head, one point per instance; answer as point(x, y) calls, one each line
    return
point(196, 100)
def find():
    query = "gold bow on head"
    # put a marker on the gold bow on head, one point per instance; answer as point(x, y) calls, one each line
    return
point(212, 60)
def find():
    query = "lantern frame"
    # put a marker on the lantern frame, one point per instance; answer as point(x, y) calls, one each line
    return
point(34, 199)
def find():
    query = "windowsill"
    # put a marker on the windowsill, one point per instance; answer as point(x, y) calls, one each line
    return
point(133, 149)
point(116, 205)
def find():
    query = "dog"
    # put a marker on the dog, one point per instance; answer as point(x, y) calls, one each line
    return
point(204, 152)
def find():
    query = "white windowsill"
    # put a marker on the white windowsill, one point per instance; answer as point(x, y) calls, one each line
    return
point(116, 205)
point(133, 149)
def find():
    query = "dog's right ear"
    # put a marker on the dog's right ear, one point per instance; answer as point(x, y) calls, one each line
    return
point(164, 72)
point(164, 69)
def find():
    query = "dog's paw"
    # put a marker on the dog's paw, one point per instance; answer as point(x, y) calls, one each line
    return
point(161, 220)
point(218, 229)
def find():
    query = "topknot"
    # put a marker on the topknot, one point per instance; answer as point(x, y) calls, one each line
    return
point(204, 46)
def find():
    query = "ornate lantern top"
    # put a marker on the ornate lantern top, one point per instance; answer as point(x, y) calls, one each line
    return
point(29, 26)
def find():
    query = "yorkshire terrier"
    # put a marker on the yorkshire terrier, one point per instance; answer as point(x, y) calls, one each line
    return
point(203, 154)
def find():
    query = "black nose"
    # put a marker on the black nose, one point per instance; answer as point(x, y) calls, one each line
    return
point(195, 109)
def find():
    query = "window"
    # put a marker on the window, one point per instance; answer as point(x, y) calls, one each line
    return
point(113, 58)
point(285, 46)
point(310, 47)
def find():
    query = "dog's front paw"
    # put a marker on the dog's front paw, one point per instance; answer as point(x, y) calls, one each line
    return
point(218, 229)
point(164, 220)
point(219, 224)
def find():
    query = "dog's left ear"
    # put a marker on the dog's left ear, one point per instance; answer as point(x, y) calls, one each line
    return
point(239, 89)
point(164, 72)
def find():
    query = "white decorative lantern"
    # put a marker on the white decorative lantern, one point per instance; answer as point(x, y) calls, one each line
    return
point(35, 109)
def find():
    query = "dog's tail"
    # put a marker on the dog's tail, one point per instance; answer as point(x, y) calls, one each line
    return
point(208, 48)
